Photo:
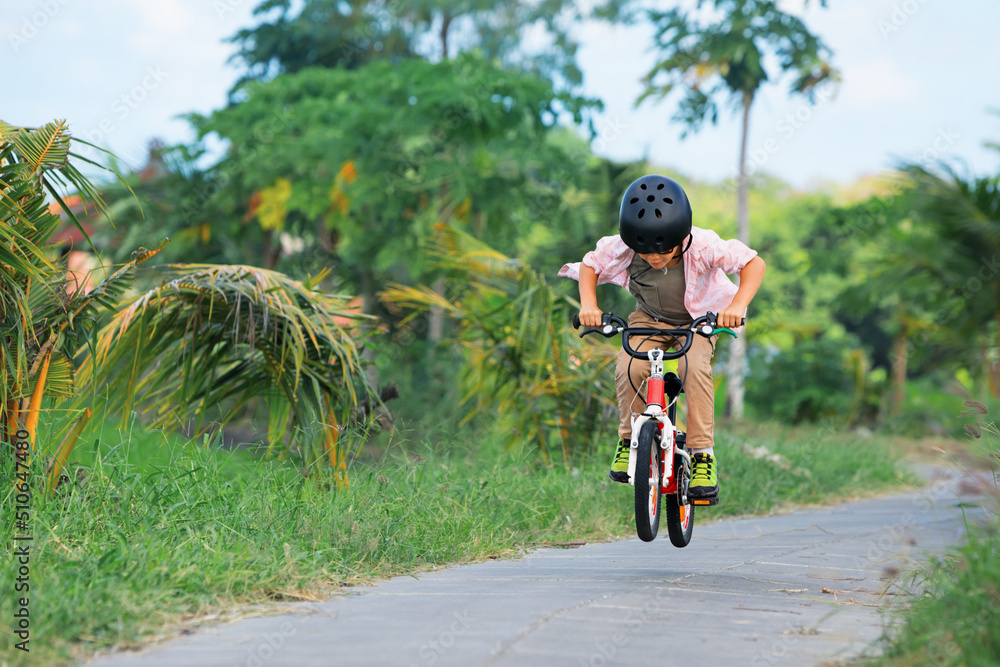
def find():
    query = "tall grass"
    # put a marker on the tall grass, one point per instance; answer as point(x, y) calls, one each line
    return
point(953, 619)
point(151, 531)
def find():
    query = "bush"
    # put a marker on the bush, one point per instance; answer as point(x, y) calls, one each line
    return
point(929, 408)
point(806, 382)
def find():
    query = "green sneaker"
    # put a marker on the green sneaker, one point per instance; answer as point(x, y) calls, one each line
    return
point(704, 478)
point(619, 465)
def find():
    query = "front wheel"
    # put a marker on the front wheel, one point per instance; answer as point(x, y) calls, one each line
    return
point(647, 483)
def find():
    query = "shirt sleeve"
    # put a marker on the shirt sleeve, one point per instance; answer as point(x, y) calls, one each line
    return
point(609, 260)
point(729, 255)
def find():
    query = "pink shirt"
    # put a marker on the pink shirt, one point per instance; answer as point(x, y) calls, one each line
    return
point(706, 264)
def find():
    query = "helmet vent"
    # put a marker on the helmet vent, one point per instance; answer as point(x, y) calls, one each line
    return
point(642, 212)
point(633, 200)
point(642, 185)
point(639, 239)
point(650, 198)
point(658, 214)
point(660, 186)
point(668, 200)
point(659, 240)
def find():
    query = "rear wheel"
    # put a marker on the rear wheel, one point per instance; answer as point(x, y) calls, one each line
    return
point(647, 483)
point(680, 521)
point(680, 518)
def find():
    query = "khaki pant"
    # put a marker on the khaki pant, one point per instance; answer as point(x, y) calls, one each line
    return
point(699, 392)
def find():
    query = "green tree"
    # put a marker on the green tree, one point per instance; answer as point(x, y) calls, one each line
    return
point(726, 57)
point(920, 272)
point(339, 33)
point(324, 33)
point(373, 158)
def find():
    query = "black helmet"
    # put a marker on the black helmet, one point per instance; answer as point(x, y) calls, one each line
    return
point(655, 214)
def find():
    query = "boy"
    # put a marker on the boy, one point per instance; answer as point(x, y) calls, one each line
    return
point(676, 272)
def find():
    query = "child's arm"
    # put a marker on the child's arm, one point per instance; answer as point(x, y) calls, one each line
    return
point(750, 279)
point(590, 314)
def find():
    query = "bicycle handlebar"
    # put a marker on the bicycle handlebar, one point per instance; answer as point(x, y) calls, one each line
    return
point(706, 325)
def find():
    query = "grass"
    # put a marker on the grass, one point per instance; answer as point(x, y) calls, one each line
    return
point(813, 465)
point(153, 532)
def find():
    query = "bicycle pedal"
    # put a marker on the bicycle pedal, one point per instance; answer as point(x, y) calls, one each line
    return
point(705, 501)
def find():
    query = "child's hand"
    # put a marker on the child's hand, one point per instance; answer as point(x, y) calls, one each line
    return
point(590, 316)
point(731, 317)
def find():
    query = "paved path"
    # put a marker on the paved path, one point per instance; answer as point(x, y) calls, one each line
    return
point(796, 589)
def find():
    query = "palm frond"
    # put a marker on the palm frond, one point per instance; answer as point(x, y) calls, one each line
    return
point(418, 299)
point(44, 148)
point(217, 334)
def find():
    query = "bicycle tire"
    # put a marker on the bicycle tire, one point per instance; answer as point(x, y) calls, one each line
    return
point(679, 530)
point(647, 483)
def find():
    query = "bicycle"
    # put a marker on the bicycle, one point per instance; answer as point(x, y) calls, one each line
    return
point(654, 432)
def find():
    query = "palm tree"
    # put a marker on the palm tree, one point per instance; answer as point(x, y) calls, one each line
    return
point(212, 334)
point(38, 315)
point(964, 212)
point(726, 57)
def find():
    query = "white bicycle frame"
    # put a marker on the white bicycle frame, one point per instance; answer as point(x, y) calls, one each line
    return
point(668, 431)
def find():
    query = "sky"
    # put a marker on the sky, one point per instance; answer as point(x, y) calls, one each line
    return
point(919, 78)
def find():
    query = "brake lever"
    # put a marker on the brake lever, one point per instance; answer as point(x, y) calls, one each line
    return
point(607, 328)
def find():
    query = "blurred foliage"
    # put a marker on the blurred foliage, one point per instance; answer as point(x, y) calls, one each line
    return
point(222, 337)
point(521, 364)
point(324, 33)
point(807, 382)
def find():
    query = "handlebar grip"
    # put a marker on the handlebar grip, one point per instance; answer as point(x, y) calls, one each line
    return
point(713, 319)
point(605, 320)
